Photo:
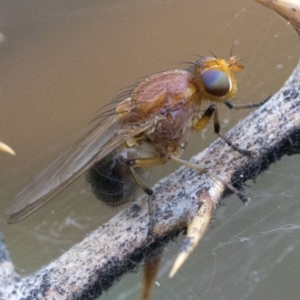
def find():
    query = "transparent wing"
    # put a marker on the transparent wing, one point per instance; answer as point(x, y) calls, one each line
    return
point(95, 145)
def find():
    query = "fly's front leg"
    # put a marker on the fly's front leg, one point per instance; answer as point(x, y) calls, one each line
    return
point(203, 121)
point(247, 106)
point(217, 131)
point(145, 163)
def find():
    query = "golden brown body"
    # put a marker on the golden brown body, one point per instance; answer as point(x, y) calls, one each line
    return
point(149, 128)
point(171, 100)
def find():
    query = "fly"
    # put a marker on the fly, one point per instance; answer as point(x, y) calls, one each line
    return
point(148, 128)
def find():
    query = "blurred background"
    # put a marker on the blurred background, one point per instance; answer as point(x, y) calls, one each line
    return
point(61, 61)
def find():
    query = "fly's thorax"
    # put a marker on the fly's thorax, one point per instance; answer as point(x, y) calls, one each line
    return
point(111, 179)
point(163, 92)
point(172, 129)
point(169, 99)
point(215, 79)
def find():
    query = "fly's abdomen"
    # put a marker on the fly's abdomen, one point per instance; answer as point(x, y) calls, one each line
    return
point(111, 181)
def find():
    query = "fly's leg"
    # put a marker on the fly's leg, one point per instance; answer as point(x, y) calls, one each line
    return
point(141, 183)
point(224, 138)
point(204, 170)
point(152, 264)
point(212, 111)
point(145, 163)
point(246, 106)
point(199, 223)
point(149, 192)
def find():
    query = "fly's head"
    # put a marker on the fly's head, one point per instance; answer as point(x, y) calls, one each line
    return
point(215, 79)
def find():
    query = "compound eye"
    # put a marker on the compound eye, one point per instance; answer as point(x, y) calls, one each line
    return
point(216, 83)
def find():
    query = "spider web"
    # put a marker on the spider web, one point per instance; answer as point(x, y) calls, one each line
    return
point(56, 65)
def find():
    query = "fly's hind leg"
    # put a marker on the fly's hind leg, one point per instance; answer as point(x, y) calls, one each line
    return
point(145, 163)
point(204, 170)
point(203, 121)
point(199, 222)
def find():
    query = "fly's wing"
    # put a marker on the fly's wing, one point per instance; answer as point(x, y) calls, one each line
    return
point(95, 145)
